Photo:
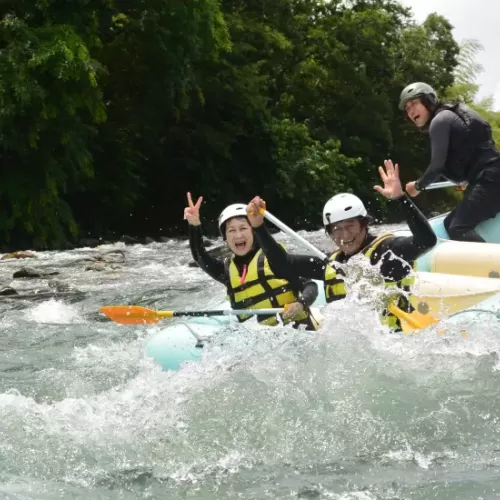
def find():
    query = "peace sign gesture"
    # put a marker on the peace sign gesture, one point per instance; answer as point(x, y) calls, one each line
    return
point(192, 212)
point(390, 177)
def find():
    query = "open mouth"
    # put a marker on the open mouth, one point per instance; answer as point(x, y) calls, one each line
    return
point(347, 242)
point(415, 118)
point(240, 245)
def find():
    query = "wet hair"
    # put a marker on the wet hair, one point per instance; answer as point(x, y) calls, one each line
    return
point(367, 220)
point(430, 102)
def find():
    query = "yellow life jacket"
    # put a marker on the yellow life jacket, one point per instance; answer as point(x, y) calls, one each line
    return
point(335, 287)
point(259, 288)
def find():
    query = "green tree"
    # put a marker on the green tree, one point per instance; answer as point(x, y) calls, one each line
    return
point(154, 52)
point(50, 102)
point(465, 88)
point(114, 109)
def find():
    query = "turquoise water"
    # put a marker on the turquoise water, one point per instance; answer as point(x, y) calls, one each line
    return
point(353, 412)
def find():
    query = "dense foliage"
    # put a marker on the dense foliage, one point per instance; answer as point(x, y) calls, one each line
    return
point(111, 110)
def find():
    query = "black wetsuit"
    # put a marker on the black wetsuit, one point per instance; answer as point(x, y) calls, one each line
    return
point(306, 290)
point(408, 248)
point(462, 149)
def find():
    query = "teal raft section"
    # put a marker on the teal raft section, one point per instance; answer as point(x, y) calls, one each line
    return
point(489, 230)
point(183, 341)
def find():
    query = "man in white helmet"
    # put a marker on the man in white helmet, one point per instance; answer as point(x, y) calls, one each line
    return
point(462, 150)
point(346, 221)
point(247, 276)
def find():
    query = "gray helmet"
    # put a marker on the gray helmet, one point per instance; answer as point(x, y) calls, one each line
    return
point(415, 90)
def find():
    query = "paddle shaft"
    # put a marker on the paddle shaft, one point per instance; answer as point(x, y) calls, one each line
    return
point(224, 312)
point(281, 225)
point(439, 185)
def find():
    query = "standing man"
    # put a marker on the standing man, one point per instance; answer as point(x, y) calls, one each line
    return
point(462, 150)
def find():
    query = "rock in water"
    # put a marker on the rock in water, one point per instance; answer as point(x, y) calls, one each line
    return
point(19, 255)
point(30, 272)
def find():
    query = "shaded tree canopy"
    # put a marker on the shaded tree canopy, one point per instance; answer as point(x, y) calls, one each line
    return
point(112, 110)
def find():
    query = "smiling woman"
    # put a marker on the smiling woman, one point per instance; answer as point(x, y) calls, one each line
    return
point(236, 230)
point(250, 281)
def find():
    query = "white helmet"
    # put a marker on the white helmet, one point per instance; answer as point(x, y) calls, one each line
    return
point(341, 207)
point(235, 210)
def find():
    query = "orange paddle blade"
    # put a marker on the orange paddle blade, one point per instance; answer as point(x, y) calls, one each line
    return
point(134, 315)
point(414, 319)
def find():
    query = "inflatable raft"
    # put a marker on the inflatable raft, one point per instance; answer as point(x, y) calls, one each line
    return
point(462, 257)
point(455, 281)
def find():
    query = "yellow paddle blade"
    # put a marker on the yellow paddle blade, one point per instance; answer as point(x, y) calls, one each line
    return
point(135, 315)
point(414, 320)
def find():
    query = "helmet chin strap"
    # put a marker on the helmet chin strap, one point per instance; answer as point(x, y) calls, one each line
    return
point(431, 105)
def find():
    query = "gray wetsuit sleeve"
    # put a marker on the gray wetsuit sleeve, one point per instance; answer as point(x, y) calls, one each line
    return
point(439, 132)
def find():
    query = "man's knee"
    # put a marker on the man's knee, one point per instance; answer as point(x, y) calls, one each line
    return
point(463, 232)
